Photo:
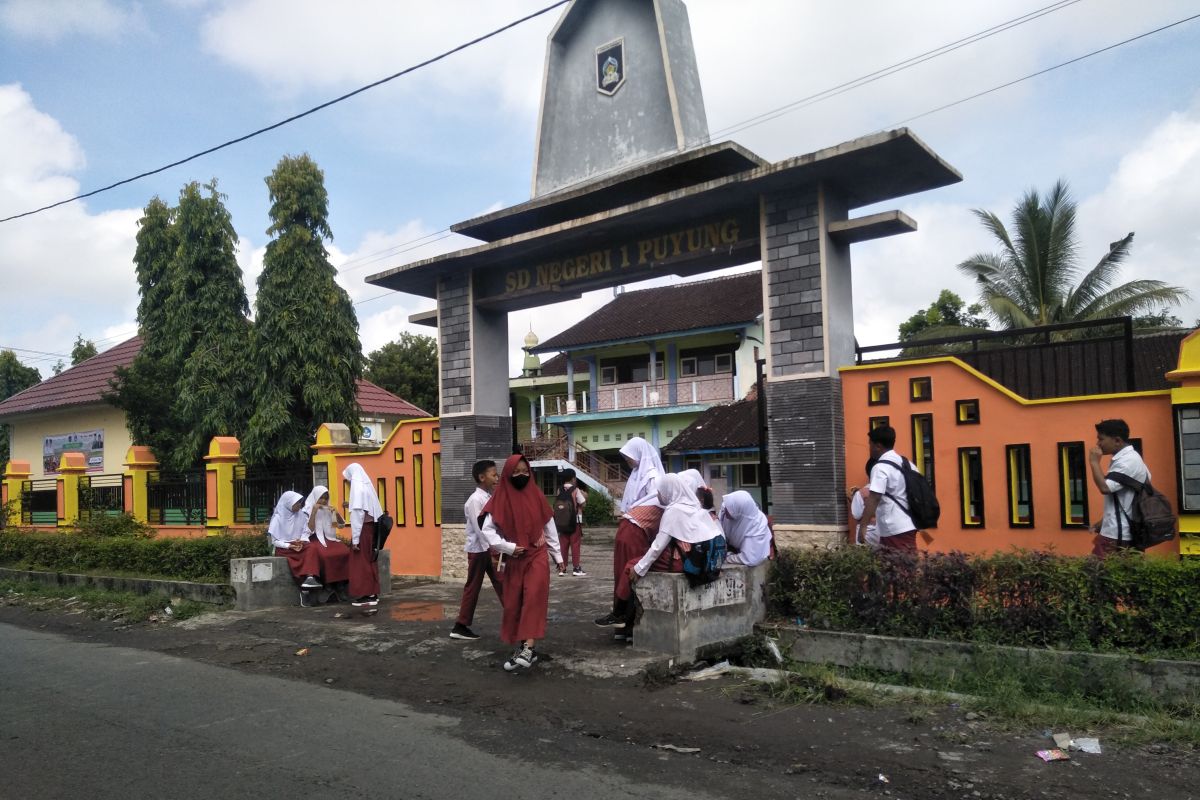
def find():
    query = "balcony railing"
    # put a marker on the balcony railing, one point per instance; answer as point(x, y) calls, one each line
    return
point(688, 391)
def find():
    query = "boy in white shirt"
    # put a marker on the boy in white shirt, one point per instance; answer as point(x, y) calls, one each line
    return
point(888, 494)
point(479, 557)
point(1112, 439)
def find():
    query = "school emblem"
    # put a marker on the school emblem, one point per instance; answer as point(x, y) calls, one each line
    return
point(610, 67)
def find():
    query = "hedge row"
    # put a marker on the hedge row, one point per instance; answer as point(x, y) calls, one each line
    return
point(1123, 604)
point(205, 559)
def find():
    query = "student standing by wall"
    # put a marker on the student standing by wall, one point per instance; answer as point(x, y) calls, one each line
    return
point(479, 557)
point(895, 526)
point(364, 509)
point(1112, 439)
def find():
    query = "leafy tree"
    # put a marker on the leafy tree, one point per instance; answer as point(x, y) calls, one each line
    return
point(949, 315)
point(408, 367)
point(1035, 278)
point(83, 350)
point(14, 377)
point(306, 351)
point(1163, 319)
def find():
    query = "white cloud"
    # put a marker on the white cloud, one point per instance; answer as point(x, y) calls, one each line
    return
point(52, 20)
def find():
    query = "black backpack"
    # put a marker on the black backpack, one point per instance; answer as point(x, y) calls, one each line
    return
point(1151, 522)
point(564, 511)
point(921, 503)
point(703, 561)
point(383, 526)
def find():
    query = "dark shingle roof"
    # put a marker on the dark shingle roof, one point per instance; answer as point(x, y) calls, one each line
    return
point(667, 309)
point(87, 383)
point(729, 427)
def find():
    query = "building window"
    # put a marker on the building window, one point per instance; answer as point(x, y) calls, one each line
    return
point(922, 445)
point(687, 367)
point(595, 438)
point(381, 490)
point(399, 515)
point(606, 437)
point(966, 412)
point(670, 433)
point(1187, 427)
point(877, 394)
point(920, 389)
point(608, 375)
point(970, 480)
point(723, 362)
point(1020, 487)
point(749, 475)
point(1072, 484)
point(693, 463)
point(877, 422)
point(642, 434)
point(416, 436)
point(716, 472)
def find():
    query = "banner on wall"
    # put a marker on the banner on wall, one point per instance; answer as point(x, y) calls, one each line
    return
point(90, 443)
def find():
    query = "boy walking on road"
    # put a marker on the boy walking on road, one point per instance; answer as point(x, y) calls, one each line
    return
point(479, 557)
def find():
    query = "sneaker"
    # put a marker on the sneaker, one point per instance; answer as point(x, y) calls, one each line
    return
point(525, 657)
point(578, 572)
point(462, 632)
point(369, 600)
point(620, 636)
point(511, 665)
point(609, 621)
point(311, 582)
point(307, 600)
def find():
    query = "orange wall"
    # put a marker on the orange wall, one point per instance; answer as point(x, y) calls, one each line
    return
point(1004, 420)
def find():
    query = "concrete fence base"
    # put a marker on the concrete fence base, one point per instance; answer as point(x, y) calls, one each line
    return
point(215, 593)
point(267, 582)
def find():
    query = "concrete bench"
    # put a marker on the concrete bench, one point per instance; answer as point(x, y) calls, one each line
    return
point(267, 582)
point(680, 620)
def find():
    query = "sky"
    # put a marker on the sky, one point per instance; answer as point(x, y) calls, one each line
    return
point(95, 91)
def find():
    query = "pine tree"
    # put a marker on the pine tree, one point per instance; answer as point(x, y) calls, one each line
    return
point(306, 350)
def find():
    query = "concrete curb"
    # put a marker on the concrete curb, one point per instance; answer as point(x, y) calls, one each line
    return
point(213, 593)
point(1158, 677)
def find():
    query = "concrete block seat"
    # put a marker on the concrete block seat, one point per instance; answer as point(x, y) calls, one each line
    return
point(679, 620)
point(267, 582)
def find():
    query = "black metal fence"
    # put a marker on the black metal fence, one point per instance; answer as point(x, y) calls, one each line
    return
point(176, 498)
point(255, 490)
point(101, 495)
point(39, 502)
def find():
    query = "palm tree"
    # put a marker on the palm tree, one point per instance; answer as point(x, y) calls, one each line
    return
point(1032, 280)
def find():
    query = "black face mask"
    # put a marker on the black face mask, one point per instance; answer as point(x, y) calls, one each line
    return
point(520, 481)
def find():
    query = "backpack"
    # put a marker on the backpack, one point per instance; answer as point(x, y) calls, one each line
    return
point(564, 511)
point(1151, 522)
point(922, 504)
point(383, 526)
point(702, 561)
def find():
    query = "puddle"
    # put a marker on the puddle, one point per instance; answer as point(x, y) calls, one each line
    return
point(420, 612)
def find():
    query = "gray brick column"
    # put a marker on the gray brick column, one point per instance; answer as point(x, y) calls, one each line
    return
point(809, 322)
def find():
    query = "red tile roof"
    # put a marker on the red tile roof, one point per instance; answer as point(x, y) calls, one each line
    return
point(86, 383)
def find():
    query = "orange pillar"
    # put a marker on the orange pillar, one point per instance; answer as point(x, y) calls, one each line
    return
point(72, 466)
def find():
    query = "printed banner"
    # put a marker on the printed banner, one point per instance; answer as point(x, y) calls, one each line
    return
point(90, 443)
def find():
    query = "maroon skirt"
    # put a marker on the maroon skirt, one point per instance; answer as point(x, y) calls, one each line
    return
point(631, 543)
point(334, 558)
point(364, 573)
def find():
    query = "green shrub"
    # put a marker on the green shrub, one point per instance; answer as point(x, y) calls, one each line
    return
point(109, 525)
point(203, 559)
point(598, 511)
point(1127, 604)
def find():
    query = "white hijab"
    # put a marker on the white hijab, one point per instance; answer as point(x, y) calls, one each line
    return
point(362, 491)
point(640, 488)
point(693, 479)
point(684, 518)
point(282, 527)
point(745, 526)
point(324, 524)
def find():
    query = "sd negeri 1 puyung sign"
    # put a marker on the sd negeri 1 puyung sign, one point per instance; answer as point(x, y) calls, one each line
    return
point(652, 250)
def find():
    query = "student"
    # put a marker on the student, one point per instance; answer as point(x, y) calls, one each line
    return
point(858, 504)
point(572, 540)
point(695, 482)
point(319, 528)
point(895, 526)
point(519, 525)
point(1112, 439)
point(747, 531)
point(364, 510)
point(287, 535)
point(479, 557)
point(684, 523)
point(640, 514)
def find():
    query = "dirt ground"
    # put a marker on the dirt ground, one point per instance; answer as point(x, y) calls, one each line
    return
point(588, 693)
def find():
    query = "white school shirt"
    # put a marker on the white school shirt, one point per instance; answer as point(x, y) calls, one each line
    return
point(498, 543)
point(890, 518)
point(580, 501)
point(472, 509)
point(1127, 462)
point(358, 518)
point(857, 507)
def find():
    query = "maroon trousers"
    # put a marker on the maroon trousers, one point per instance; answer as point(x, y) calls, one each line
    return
point(478, 565)
point(525, 594)
point(903, 542)
point(364, 573)
point(631, 543)
point(571, 545)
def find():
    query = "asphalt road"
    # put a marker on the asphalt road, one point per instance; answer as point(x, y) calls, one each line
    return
point(86, 720)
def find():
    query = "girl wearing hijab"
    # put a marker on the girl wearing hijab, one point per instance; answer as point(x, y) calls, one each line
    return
point(746, 530)
point(364, 510)
point(640, 512)
point(684, 523)
point(321, 522)
point(518, 523)
point(695, 482)
point(291, 543)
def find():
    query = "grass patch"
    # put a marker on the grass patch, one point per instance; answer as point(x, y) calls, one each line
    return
point(99, 603)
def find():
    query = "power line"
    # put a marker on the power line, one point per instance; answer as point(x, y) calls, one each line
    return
point(295, 117)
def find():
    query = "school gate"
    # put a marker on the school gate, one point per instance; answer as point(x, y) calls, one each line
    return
point(627, 187)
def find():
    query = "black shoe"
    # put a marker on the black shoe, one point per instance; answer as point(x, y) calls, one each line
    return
point(609, 621)
point(307, 600)
point(311, 582)
point(369, 600)
point(462, 632)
